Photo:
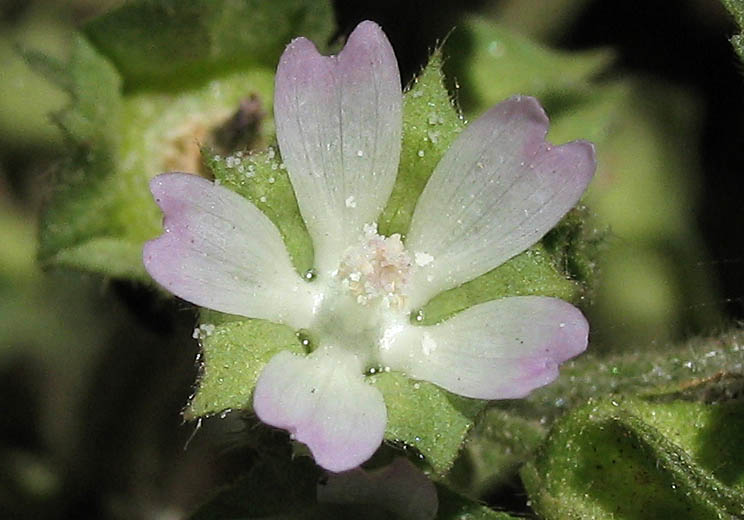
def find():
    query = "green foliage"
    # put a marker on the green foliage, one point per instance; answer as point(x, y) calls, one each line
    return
point(167, 43)
point(636, 458)
point(736, 8)
point(493, 63)
point(120, 134)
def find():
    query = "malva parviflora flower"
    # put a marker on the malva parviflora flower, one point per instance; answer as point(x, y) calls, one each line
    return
point(497, 190)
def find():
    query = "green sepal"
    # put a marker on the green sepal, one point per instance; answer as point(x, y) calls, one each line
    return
point(430, 124)
point(533, 272)
point(233, 354)
point(634, 458)
point(170, 43)
point(237, 348)
point(262, 179)
point(426, 417)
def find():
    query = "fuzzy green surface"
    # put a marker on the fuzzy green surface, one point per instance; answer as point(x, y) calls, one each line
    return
point(625, 458)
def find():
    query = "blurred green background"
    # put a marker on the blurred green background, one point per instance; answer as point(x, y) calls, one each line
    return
point(657, 87)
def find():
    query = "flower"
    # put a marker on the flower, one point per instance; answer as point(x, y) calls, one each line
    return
point(498, 189)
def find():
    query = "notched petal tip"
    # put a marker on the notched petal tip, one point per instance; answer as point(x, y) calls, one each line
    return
point(582, 154)
point(298, 48)
point(207, 227)
point(502, 186)
point(523, 107)
point(502, 349)
point(338, 125)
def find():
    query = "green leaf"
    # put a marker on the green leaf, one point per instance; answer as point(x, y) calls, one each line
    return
point(81, 207)
point(166, 43)
point(492, 63)
point(634, 458)
point(27, 97)
point(736, 8)
point(101, 211)
point(507, 434)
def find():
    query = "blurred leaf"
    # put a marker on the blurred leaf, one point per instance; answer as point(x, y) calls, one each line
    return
point(736, 8)
point(538, 19)
point(494, 451)
point(641, 459)
point(655, 281)
point(492, 63)
point(167, 43)
point(101, 211)
point(26, 98)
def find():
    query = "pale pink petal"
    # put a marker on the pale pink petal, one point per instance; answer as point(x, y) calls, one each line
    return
point(498, 189)
point(324, 402)
point(501, 349)
point(338, 123)
point(219, 251)
point(400, 488)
